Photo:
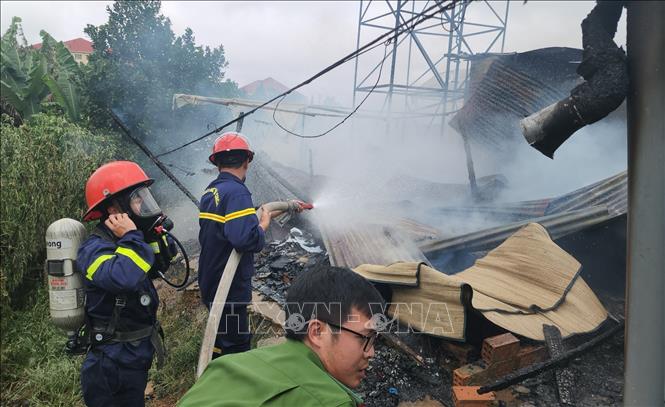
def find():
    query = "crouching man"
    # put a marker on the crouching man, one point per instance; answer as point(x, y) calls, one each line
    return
point(330, 340)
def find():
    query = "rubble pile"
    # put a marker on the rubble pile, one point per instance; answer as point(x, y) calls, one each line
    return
point(281, 261)
point(392, 377)
point(599, 379)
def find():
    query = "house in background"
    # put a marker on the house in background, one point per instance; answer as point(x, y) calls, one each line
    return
point(265, 89)
point(79, 47)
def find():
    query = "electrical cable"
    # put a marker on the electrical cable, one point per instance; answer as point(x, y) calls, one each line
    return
point(394, 33)
point(385, 56)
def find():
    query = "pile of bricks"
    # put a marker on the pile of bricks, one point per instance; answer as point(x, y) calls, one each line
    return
point(500, 355)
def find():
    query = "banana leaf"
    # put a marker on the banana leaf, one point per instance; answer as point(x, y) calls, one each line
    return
point(65, 94)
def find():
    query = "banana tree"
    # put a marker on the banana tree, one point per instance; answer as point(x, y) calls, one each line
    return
point(62, 75)
point(28, 76)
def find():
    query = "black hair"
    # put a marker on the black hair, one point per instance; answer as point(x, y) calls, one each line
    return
point(328, 294)
point(231, 159)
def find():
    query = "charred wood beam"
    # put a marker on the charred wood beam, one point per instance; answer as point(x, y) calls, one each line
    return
point(394, 342)
point(606, 84)
point(555, 362)
point(154, 159)
point(565, 379)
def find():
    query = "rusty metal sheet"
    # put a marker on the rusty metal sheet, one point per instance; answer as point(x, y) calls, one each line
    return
point(514, 86)
point(611, 192)
point(557, 225)
point(353, 245)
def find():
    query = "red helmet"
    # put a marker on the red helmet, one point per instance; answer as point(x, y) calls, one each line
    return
point(228, 142)
point(109, 180)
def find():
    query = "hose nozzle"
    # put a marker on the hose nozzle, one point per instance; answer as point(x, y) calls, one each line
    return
point(305, 205)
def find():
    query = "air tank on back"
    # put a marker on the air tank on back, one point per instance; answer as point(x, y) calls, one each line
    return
point(65, 282)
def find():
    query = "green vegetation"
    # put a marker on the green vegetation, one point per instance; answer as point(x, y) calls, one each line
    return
point(55, 132)
point(34, 366)
point(139, 63)
point(28, 76)
point(183, 318)
point(43, 164)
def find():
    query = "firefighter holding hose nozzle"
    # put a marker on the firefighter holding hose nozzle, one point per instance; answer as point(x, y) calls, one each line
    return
point(124, 253)
point(228, 221)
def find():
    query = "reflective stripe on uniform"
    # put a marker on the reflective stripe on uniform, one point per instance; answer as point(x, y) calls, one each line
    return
point(142, 264)
point(212, 216)
point(240, 214)
point(230, 216)
point(155, 247)
point(95, 265)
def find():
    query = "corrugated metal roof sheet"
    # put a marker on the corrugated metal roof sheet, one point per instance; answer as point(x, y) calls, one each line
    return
point(558, 225)
point(611, 193)
point(358, 244)
point(511, 88)
point(266, 185)
point(577, 210)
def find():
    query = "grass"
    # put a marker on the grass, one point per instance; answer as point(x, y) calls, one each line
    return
point(183, 318)
point(35, 369)
point(37, 372)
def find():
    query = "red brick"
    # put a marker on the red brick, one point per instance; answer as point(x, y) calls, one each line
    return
point(499, 348)
point(467, 396)
point(462, 375)
point(531, 354)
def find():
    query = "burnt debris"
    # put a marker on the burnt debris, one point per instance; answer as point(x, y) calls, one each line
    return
point(606, 84)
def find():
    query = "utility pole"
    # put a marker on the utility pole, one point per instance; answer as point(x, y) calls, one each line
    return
point(645, 281)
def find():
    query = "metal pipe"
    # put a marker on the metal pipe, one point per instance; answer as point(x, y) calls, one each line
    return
point(394, 58)
point(505, 21)
point(645, 285)
point(355, 69)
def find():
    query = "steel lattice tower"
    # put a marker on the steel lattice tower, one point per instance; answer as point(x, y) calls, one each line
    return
point(429, 66)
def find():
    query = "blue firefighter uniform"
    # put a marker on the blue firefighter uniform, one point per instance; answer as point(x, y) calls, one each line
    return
point(228, 220)
point(119, 298)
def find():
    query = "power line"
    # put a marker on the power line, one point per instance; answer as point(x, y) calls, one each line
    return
point(385, 55)
point(409, 25)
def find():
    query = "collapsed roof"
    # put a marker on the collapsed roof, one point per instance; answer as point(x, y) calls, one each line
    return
point(512, 86)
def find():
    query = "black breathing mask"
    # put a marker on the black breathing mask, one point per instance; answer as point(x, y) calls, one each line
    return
point(146, 214)
point(143, 210)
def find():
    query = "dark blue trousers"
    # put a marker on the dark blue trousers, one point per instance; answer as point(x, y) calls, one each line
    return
point(106, 383)
point(233, 334)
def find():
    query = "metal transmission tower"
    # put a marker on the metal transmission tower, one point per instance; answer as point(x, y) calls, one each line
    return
point(429, 66)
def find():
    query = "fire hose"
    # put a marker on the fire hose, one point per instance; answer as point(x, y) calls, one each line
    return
point(222, 293)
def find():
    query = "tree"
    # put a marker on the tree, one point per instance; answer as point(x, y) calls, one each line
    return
point(138, 64)
point(28, 75)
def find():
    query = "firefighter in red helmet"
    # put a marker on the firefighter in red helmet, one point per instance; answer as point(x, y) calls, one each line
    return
point(121, 301)
point(228, 221)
